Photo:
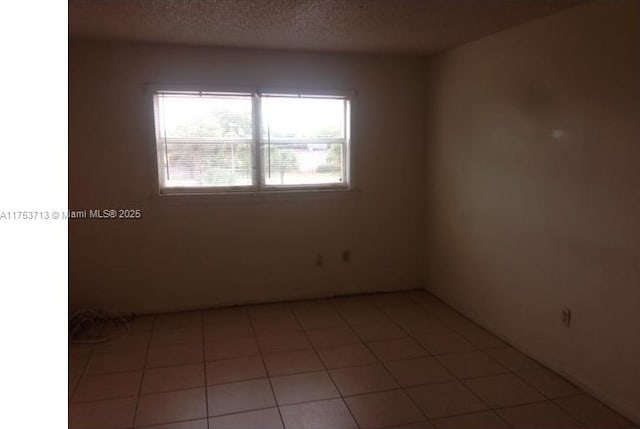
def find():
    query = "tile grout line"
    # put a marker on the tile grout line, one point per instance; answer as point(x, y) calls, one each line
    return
point(384, 364)
point(82, 374)
point(264, 365)
point(233, 413)
point(379, 360)
point(507, 345)
point(304, 402)
point(508, 370)
point(144, 370)
point(204, 369)
point(326, 369)
point(433, 356)
point(548, 398)
point(155, 425)
point(332, 304)
point(456, 378)
point(402, 388)
point(461, 381)
point(349, 396)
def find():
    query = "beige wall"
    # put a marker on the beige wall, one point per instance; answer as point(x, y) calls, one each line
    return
point(519, 223)
point(194, 253)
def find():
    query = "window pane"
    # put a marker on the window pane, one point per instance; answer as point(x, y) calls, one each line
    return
point(303, 164)
point(300, 118)
point(205, 140)
point(211, 117)
point(218, 164)
point(303, 140)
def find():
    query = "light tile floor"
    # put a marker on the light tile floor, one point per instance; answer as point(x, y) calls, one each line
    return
point(396, 360)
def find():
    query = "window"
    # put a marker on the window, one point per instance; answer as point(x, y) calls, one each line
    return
point(211, 142)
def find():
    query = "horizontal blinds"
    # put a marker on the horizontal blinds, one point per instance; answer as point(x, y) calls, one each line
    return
point(303, 140)
point(206, 139)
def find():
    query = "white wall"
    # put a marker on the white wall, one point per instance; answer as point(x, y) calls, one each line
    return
point(194, 252)
point(520, 224)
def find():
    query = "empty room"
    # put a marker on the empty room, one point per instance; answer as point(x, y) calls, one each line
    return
point(289, 214)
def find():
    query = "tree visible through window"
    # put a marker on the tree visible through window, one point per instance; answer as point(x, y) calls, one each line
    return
point(234, 142)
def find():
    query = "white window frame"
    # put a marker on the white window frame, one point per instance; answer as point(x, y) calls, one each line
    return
point(259, 185)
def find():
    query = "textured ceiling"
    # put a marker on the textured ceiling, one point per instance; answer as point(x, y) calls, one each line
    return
point(389, 26)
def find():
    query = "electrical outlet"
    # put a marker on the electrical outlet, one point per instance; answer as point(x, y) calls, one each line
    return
point(566, 316)
point(346, 256)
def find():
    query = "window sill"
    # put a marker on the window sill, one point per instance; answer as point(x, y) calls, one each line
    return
point(279, 196)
